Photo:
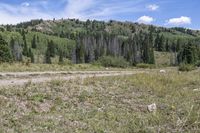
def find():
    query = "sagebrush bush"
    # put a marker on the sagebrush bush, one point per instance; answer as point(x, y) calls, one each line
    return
point(186, 67)
point(142, 65)
point(198, 63)
point(109, 61)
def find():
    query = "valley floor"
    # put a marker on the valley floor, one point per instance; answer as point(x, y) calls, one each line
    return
point(21, 78)
point(111, 101)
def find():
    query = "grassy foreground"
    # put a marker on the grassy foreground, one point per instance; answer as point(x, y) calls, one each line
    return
point(20, 67)
point(107, 104)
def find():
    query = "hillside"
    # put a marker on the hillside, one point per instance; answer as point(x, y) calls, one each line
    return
point(86, 42)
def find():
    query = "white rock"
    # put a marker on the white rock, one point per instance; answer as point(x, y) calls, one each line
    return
point(107, 68)
point(162, 71)
point(196, 90)
point(152, 107)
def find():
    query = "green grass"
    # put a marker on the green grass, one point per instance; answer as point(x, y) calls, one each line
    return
point(107, 104)
point(162, 58)
point(66, 66)
point(20, 67)
point(186, 67)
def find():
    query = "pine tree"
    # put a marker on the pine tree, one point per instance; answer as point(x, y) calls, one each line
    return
point(146, 54)
point(151, 49)
point(161, 46)
point(178, 45)
point(33, 43)
point(5, 53)
point(48, 54)
point(167, 47)
point(31, 55)
point(157, 42)
point(25, 48)
point(189, 54)
point(61, 60)
point(52, 48)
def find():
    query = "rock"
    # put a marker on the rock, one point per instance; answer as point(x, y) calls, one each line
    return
point(152, 107)
point(107, 68)
point(196, 90)
point(162, 71)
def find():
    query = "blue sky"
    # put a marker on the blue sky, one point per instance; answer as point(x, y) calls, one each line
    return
point(168, 13)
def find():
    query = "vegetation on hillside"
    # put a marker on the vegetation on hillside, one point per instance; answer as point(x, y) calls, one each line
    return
point(86, 42)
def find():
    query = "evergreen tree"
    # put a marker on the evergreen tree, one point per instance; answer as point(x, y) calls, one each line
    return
point(161, 46)
point(5, 53)
point(48, 54)
point(148, 52)
point(151, 49)
point(189, 54)
point(38, 40)
point(167, 47)
point(33, 43)
point(25, 48)
point(178, 45)
point(52, 48)
point(157, 42)
point(61, 60)
point(31, 55)
point(146, 56)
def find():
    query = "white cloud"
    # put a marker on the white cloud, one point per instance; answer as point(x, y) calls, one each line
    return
point(179, 21)
point(25, 4)
point(81, 9)
point(12, 14)
point(152, 7)
point(76, 8)
point(145, 19)
point(97, 9)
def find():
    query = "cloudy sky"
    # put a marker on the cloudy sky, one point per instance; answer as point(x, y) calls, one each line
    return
point(183, 13)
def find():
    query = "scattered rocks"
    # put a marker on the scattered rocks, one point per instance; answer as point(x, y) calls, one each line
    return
point(152, 107)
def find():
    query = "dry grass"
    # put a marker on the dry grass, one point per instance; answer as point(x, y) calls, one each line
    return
point(107, 104)
point(19, 67)
point(162, 58)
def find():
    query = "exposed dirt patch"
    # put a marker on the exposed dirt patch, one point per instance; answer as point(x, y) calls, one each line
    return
point(21, 78)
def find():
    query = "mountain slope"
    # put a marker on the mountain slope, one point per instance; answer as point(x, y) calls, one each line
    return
point(85, 42)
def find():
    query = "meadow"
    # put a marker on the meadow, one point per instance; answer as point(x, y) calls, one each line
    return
point(116, 104)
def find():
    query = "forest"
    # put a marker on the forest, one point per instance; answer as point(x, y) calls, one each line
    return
point(40, 41)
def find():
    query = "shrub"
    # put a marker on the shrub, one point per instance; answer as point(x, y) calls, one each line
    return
point(109, 61)
point(186, 67)
point(142, 65)
point(198, 63)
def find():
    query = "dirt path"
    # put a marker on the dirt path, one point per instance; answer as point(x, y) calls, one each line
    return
point(21, 78)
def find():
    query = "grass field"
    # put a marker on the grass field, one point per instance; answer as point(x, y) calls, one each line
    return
point(20, 67)
point(106, 104)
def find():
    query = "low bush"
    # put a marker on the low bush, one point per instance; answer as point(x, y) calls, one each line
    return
point(109, 61)
point(198, 63)
point(186, 67)
point(142, 65)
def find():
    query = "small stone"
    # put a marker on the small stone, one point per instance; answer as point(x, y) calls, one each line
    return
point(152, 107)
point(162, 71)
point(196, 90)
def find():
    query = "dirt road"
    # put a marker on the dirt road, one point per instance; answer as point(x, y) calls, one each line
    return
point(21, 78)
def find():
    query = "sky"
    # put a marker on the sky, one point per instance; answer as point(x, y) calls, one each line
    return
point(167, 13)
